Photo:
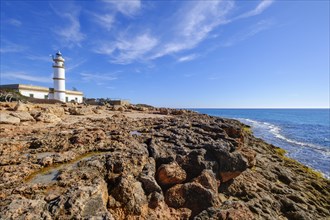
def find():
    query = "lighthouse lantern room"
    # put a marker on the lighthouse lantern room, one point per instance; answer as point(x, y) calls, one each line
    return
point(59, 77)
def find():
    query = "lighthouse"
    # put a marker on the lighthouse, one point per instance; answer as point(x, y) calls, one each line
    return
point(59, 77)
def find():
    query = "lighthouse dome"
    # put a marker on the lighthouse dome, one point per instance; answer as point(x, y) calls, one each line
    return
point(59, 56)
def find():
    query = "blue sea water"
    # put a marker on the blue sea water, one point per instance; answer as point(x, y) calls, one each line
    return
point(304, 133)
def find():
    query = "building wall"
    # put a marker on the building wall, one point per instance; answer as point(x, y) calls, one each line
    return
point(36, 94)
point(77, 98)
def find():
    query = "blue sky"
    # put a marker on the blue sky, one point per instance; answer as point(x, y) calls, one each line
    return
point(221, 54)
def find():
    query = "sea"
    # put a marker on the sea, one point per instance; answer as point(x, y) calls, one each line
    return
point(303, 133)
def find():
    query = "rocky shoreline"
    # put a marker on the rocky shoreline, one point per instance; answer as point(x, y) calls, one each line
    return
point(130, 162)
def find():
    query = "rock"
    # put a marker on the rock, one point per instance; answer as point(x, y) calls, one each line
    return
point(130, 194)
point(22, 208)
point(47, 117)
point(46, 161)
point(84, 201)
point(21, 107)
point(23, 116)
point(170, 174)
point(56, 110)
point(6, 118)
point(230, 210)
point(79, 111)
point(191, 195)
point(208, 180)
point(147, 178)
point(164, 111)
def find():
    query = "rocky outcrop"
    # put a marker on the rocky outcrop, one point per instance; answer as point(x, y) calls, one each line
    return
point(147, 164)
point(6, 118)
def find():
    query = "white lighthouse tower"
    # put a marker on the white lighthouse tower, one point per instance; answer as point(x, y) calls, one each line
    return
point(59, 77)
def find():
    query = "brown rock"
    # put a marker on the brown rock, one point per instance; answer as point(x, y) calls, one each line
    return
point(226, 176)
point(47, 117)
point(23, 116)
point(169, 174)
point(21, 107)
point(6, 118)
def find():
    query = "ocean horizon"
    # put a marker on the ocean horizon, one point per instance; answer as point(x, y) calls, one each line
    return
point(303, 132)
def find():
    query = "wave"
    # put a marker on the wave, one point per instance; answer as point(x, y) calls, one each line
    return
point(276, 131)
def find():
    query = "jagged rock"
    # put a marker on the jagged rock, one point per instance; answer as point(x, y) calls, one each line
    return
point(47, 117)
point(22, 208)
point(170, 174)
point(191, 195)
point(92, 167)
point(79, 111)
point(46, 161)
point(130, 194)
point(147, 178)
point(23, 116)
point(208, 180)
point(21, 107)
point(6, 118)
point(56, 110)
point(229, 210)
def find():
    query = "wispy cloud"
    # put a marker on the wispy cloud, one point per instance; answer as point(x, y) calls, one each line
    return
point(76, 65)
point(187, 58)
point(25, 76)
point(192, 24)
point(263, 5)
point(106, 20)
point(14, 22)
point(97, 77)
point(249, 32)
point(198, 21)
point(45, 58)
point(128, 8)
point(126, 50)
point(69, 34)
point(10, 47)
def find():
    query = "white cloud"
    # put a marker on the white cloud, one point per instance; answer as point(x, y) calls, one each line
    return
point(128, 8)
point(69, 34)
point(97, 77)
point(127, 50)
point(39, 58)
point(73, 66)
point(14, 22)
point(187, 58)
point(25, 76)
point(10, 47)
point(190, 25)
point(263, 5)
point(249, 32)
point(106, 20)
point(198, 20)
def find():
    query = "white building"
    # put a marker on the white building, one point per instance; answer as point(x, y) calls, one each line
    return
point(58, 92)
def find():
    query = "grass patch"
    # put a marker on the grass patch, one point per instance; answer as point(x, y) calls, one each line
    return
point(247, 130)
point(280, 151)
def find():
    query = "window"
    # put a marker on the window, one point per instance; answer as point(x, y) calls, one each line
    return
point(46, 96)
point(31, 95)
point(76, 99)
point(66, 99)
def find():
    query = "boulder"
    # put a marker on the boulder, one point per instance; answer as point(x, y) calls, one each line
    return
point(147, 178)
point(22, 208)
point(130, 194)
point(21, 107)
point(170, 174)
point(47, 117)
point(229, 210)
point(23, 116)
point(79, 111)
point(6, 118)
point(191, 195)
